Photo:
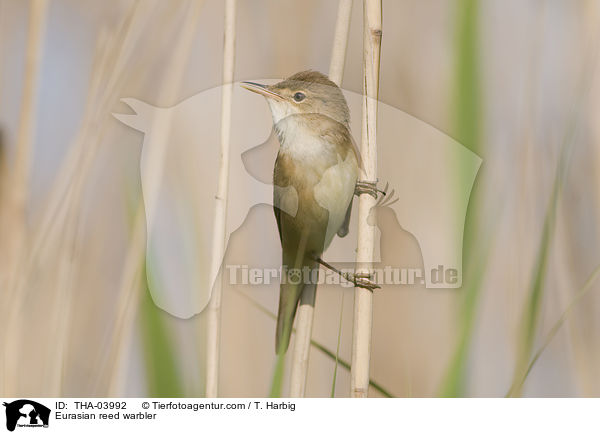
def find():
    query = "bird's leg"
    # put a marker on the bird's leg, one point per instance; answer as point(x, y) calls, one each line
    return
point(362, 280)
point(369, 187)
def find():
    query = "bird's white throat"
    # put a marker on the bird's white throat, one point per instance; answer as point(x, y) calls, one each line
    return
point(298, 140)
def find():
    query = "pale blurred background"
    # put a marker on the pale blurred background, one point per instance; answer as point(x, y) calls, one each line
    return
point(514, 81)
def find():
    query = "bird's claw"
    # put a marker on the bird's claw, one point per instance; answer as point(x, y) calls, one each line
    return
point(370, 188)
point(361, 280)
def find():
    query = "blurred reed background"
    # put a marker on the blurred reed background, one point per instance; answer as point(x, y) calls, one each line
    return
point(514, 81)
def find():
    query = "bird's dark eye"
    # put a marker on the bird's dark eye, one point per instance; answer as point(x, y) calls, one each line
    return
point(299, 96)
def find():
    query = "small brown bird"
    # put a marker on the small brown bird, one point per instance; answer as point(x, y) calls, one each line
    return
point(315, 175)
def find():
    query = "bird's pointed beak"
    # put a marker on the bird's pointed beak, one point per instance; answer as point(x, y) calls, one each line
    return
point(261, 89)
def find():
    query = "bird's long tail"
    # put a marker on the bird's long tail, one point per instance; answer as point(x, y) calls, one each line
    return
point(290, 292)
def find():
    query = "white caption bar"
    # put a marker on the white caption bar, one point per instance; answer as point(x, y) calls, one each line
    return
point(149, 415)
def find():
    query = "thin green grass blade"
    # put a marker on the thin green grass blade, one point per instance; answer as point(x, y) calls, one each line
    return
point(337, 350)
point(554, 330)
point(466, 108)
point(531, 312)
point(467, 99)
point(162, 375)
point(163, 378)
point(277, 382)
point(372, 383)
point(454, 381)
point(530, 318)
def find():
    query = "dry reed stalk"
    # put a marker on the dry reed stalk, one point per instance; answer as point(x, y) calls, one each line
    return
point(63, 241)
point(218, 242)
point(56, 238)
point(157, 145)
point(82, 152)
point(304, 324)
point(363, 298)
point(53, 256)
point(340, 42)
point(27, 119)
point(130, 285)
point(108, 75)
point(305, 315)
point(127, 307)
point(14, 231)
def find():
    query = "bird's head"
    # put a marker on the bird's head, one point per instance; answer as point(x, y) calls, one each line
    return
point(305, 92)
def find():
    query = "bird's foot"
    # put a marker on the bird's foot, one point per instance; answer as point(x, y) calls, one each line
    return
point(361, 280)
point(369, 187)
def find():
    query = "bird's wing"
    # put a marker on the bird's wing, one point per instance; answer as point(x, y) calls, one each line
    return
point(277, 203)
point(345, 228)
point(277, 212)
point(356, 153)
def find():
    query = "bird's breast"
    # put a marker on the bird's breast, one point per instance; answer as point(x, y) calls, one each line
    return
point(322, 175)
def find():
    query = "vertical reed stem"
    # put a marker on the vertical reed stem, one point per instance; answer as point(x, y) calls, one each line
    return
point(218, 246)
point(363, 298)
point(340, 41)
